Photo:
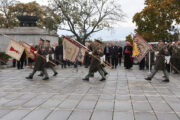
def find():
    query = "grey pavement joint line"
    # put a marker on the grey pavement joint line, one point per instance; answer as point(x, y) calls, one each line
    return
point(130, 98)
point(78, 103)
point(37, 107)
point(56, 107)
point(166, 101)
point(115, 95)
point(21, 105)
point(151, 106)
point(95, 105)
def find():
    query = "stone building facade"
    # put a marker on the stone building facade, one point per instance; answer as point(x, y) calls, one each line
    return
point(29, 35)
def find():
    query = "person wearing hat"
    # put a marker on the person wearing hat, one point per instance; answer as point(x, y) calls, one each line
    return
point(160, 62)
point(50, 56)
point(95, 65)
point(176, 56)
point(128, 60)
point(50, 52)
point(40, 62)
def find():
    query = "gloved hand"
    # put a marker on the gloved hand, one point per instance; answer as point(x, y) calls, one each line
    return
point(53, 56)
point(90, 53)
point(35, 52)
point(102, 59)
point(47, 58)
point(167, 58)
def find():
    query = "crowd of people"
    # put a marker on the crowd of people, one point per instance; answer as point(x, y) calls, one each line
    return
point(164, 57)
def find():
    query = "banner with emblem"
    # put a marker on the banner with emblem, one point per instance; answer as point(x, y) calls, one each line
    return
point(82, 53)
point(140, 47)
point(30, 51)
point(73, 50)
point(15, 50)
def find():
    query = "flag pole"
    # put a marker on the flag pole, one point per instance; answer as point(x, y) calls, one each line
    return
point(104, 63)
point(149, 62)
point(2, 61)
point(40, 55)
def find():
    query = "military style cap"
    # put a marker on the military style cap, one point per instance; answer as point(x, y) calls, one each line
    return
point(48, 41)
point(99, 41)
point(42, 39)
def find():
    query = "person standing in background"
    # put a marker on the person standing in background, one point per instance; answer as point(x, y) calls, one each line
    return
point(114, 55)
point(20, 63)
point(119, 54)
point(128, 60)
point(107, 52)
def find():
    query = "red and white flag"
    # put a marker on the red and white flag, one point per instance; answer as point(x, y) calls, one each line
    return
point(30, 51)
point(15, 50)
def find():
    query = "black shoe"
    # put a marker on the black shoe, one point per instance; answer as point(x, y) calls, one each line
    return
point(92, 75)
point(46, 78)
point(55, 74)
point(105, 73)
point(164, 76)
point(29, 77)
point(102, 79)
point(41, 75)
point(149, 79)
point(166, 80)
point(85, 79)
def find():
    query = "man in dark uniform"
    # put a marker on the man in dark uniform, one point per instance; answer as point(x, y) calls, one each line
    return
point(142, 64)
point(95, 65)
point(176, 56)
point(160, 62)
point(57, 52)
point(114, 55)
point(40, 62)
point(128, 60)
point(119, 54)
point(49, 57)
point(20, 63)
point(107, 52)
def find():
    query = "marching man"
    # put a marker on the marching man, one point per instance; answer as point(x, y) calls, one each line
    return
point(40, 62)
point(95, 65)
point(160, 62)
point(49, 57)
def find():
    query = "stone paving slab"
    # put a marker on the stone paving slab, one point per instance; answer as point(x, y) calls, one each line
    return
point(125, 95)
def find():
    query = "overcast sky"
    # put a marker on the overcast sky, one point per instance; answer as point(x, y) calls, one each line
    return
point(129, 7)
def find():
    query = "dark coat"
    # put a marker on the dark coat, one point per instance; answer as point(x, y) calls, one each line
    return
point(175, 57)
point(95, 64)
point(120, 51)
point(160, 59)
point(114, 51)
point(40, 62)
point(57, 51)
point(106, 52)
point(128, 60)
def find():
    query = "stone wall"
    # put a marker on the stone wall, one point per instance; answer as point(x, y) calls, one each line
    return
point(26, 34)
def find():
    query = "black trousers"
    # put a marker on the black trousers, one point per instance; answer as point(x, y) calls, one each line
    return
point(142, 64)
point(114, 62)
point(107, 56)
point(20, 64)
point(14, 63)
point(87, 61)
point(120, 58)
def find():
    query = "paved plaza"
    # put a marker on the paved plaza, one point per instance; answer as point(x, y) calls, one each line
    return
point(124, 96)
